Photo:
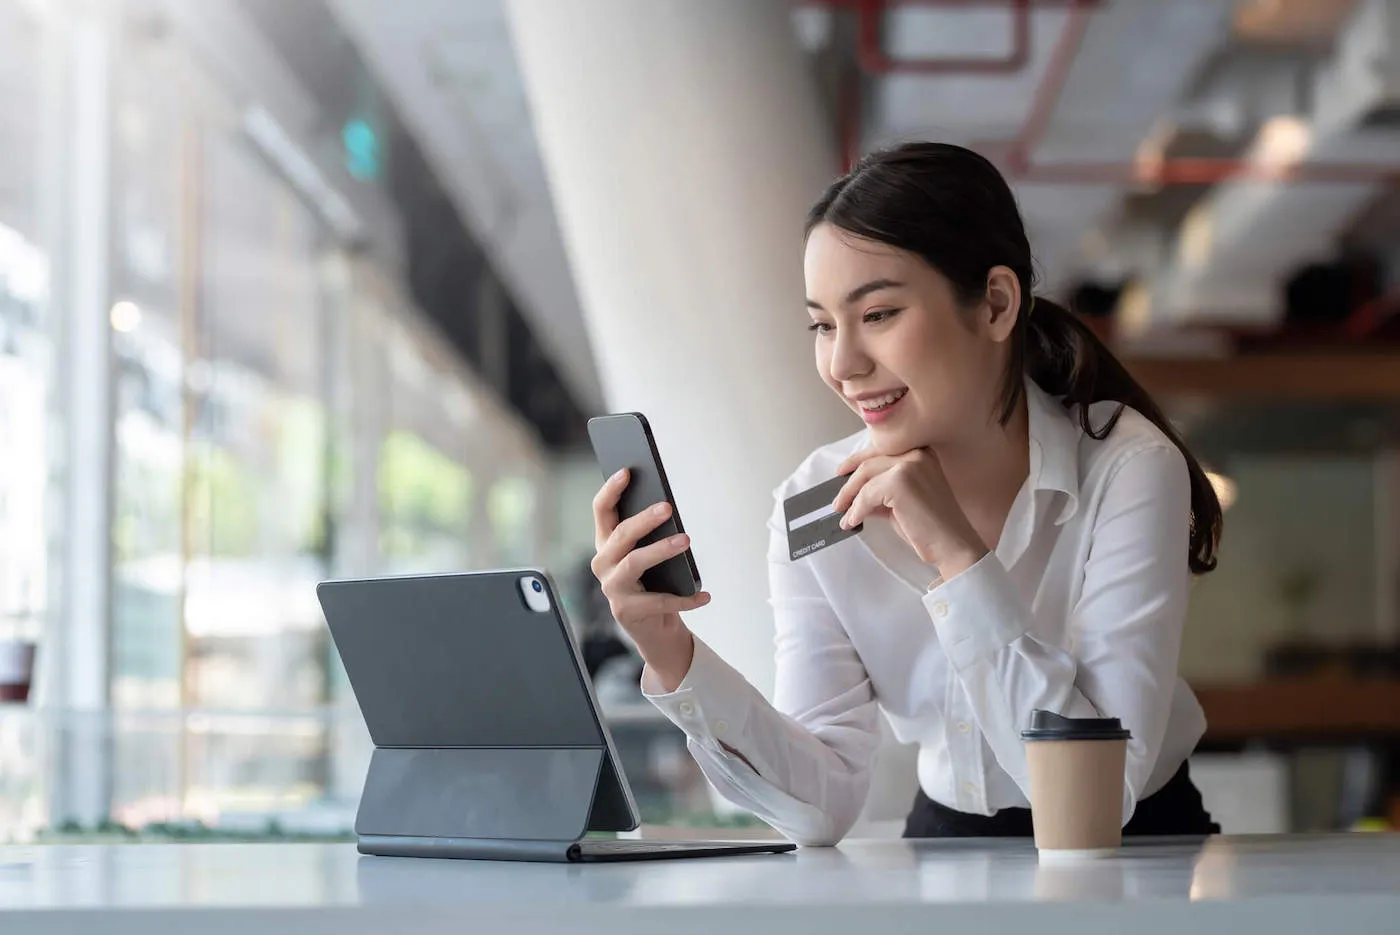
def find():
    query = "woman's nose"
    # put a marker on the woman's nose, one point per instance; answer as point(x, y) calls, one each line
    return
point(848, 359)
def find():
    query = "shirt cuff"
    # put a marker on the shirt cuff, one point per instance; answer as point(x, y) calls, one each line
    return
point(976, 613)
point(711, 704)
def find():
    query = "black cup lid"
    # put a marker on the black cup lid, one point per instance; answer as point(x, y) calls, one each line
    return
point(1047, 725)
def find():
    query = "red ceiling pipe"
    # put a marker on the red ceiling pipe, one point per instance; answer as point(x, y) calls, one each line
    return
point(871, 56)
point(1194, 171)
point(1180, 171)
point(1052, 84)
point(1019, 159)
point(848, 111)
point(1371, 317)
point(870, 51)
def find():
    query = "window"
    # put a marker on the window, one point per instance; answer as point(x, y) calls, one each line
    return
point(26, 381)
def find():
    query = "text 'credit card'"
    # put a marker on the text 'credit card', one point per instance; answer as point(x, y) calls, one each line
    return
point(812, 523)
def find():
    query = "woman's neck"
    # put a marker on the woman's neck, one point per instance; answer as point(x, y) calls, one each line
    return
point(988, 468)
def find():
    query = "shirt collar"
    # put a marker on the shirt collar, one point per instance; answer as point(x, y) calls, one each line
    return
point(1054, 448)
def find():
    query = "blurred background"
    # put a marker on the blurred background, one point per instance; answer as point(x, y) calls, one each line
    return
point(297, 289)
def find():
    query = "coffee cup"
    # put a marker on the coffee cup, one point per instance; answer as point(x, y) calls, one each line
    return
point(16, 669)
point(1076, 774)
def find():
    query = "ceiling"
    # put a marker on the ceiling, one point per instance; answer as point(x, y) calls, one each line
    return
point(1133, 64)
point(450, 69)
point(1148, 79)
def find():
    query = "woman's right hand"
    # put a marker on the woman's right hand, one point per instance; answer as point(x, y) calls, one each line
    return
point(651, 620)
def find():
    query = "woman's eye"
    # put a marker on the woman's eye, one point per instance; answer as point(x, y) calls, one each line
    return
point(819, 327)
point(884, 314)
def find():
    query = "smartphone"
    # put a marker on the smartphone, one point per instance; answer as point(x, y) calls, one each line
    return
point(624, 440)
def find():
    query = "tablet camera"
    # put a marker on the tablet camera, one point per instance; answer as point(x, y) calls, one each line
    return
point(536, 598)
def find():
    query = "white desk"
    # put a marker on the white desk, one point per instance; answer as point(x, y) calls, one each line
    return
point(1328, 884)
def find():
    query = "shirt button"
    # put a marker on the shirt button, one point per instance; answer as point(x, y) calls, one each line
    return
point(940, 609)
point(687, 709)
point(721, 726)
point(964, 727)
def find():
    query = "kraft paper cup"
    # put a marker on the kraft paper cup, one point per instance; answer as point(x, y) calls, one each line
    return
point(1076, 773)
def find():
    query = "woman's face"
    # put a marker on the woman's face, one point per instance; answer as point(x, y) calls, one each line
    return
point(894, 344)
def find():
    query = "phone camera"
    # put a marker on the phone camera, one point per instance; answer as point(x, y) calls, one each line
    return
point(539, 588)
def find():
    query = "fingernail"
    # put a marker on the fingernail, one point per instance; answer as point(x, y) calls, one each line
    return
point(680, 540)
point(704, 597)
point(618, 475)
point(843, 522)
point(660, 509)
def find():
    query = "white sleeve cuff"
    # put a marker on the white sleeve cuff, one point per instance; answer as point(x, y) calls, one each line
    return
point(976, 613)
point(711, 704)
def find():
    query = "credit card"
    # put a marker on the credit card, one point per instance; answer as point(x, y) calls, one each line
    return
point(812, 524)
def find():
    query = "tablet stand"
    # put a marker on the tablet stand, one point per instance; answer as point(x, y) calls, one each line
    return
point(518, 803)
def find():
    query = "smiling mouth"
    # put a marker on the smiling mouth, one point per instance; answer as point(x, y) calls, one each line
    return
point(881, 403)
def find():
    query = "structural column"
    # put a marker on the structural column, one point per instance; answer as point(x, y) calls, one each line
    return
point(684, 143)
point(75, 674)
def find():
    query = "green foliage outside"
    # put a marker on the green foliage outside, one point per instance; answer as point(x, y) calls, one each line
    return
point(423, 495)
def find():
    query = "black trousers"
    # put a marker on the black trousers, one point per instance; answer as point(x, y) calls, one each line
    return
point(1176, 808)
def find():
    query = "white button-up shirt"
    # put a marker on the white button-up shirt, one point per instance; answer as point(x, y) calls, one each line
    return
point(1079, 610)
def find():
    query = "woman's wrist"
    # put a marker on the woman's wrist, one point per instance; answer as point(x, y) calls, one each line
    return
point(954, 558)
point(668, 654)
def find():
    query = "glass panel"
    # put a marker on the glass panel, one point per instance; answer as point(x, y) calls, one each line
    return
point(224, 521)
point(272, 426)
point(258, 532)
point(26, 375)
point(151, 140)
point(424, 500)
point(25, 346)
point(511, 509)
point(426, 491)
point(25, 354)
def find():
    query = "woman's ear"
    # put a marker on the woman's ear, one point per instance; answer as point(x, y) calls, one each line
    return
point(1003, 302)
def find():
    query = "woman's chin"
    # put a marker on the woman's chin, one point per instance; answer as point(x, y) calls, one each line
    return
point(888, 440)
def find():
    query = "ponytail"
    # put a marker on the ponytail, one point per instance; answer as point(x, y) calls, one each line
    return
point(1065, 358)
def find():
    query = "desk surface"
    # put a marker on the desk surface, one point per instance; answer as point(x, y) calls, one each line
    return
point(1331, 883)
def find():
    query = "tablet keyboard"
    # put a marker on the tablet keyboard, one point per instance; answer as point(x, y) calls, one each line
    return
point(625, 849)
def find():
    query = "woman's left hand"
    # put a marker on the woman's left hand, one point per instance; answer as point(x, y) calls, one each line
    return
point(913, 492)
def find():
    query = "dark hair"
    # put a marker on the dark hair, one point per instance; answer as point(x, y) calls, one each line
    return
point(952, 208)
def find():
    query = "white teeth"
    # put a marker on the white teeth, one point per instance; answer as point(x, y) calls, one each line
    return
point(880, 402)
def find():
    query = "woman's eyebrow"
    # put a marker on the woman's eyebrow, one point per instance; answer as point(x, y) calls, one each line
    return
point(860, 292)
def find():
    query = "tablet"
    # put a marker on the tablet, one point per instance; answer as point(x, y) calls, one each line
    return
point(489, 741)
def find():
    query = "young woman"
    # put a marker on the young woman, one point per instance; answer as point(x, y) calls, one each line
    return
point(1032, 522)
